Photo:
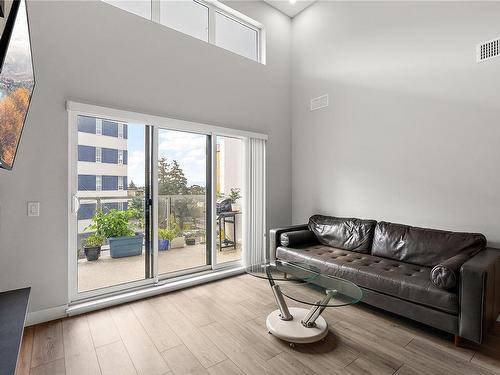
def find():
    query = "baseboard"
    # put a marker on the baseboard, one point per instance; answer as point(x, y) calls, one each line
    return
point(46, 315)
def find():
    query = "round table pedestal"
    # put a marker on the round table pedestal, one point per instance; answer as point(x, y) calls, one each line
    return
point(292, 330)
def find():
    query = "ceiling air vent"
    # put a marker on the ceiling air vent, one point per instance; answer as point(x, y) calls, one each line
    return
point(488, 50)
point(319, 102)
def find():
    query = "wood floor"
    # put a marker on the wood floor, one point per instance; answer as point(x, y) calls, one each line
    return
point(219, 328)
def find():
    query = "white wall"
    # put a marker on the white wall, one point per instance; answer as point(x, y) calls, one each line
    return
point(412, 133)
point(93, 52)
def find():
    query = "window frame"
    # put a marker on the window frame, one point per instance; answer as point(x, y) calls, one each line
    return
point(98, 183)
point(76, 109)
point(216, 6)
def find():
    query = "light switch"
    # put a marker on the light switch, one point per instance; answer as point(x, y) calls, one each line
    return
point(33, 208)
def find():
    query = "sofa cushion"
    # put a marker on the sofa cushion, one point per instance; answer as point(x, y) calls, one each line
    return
point(405, 281)
point(445, 275)
point(343, 233)
point(297, 238)
point(425, 247)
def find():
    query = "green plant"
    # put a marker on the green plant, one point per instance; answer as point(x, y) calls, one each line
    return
point(94, 240)
point(234, 195)
point(113, 223)
point(166, 234)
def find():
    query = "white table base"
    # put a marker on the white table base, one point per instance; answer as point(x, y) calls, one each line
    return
point(293, 330)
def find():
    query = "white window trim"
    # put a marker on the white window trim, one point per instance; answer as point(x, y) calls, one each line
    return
point(213, 6)
point(76, 109)
point(98, 183)
point(98, 155)
point(120, 182)
point(120, 157)
point(98, 126)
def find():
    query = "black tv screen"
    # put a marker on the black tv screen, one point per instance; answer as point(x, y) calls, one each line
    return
point(16, 81)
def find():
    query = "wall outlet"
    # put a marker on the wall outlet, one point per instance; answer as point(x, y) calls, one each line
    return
point(33, 208)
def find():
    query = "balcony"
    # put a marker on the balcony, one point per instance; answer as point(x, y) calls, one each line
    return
point(107, 271)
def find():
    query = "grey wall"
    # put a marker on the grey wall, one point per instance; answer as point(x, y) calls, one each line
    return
point(412, 133)
point(95, 53)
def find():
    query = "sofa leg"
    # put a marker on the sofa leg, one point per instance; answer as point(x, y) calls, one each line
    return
point(457, 340)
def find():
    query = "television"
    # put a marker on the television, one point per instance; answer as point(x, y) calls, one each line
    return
point(17, 81)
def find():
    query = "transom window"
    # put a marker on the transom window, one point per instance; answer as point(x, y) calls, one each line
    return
point(207, 20)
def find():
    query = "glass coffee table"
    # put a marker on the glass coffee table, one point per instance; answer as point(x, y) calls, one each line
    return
point(305, 284)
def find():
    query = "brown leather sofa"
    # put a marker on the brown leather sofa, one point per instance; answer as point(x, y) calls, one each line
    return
point(447, 280)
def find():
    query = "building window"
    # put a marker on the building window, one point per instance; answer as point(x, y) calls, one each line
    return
point(86, 211)
point(98, 183)
point(207, 20)
point(98, 155)
point(86, 124)
point(110, 128)
point(110, 183)
point(120, 156)
point(98, 129)
point(120, 183)
point(110, 155)
point(87, 153)
point(120, 206)
point(120, 130)
point(86, 182)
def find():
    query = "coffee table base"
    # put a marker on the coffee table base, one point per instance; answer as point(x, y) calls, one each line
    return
point(292, 330)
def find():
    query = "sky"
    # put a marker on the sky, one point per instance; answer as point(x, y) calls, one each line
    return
point(187, 148)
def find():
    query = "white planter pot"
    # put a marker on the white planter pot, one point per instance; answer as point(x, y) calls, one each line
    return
point(177, 242)
point(235, 206)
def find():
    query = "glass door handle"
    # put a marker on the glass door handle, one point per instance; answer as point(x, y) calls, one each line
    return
point(75, 204)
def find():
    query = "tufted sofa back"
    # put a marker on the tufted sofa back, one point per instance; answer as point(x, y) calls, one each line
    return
point(343, 233)
point(422, 246)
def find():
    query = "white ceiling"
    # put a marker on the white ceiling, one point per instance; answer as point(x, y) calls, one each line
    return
point(288, 8)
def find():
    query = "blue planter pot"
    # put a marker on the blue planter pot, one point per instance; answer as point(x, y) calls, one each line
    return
point(120, 247)
point(163, 245)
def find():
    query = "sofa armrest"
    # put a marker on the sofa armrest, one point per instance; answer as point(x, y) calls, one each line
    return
point(275, 234)
point(479, 291)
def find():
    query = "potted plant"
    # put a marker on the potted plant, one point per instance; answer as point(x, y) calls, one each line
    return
point(92, 246)
point(235, 195)
point(165, 236)
point(190, 238)
point(114, 225)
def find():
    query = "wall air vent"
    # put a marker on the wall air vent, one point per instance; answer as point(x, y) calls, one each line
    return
point(319, 102)
point(488, 50)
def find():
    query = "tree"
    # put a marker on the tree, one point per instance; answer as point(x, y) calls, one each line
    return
point(132, 186)
point(12, 110)
point(196, 190)
point(171, 179)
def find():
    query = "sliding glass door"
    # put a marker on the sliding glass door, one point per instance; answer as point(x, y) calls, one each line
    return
point(110, 203)
point(229, 173)
point(183, 187)
point(151, 201)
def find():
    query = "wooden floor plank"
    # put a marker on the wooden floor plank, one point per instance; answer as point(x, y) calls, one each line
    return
point(363, 366)
point(79, 354)
point(102, 328)
point(226, 367)
point(47, 343)
point(146, 359)
point(114, 359)
point(287, 364)
point(219, 328)
point(156, 326)
point(182, 362)
point(191, 336)
point(52, 368)
point(24, 360)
